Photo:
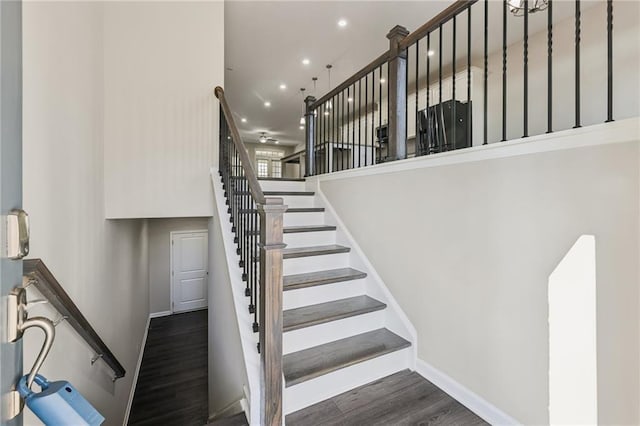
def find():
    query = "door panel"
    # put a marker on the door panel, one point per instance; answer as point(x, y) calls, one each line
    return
point(10, 187)
point(189, 260)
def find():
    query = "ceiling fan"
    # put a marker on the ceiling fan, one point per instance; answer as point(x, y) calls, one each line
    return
point(264, 138)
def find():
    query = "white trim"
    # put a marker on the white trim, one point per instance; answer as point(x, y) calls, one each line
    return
point(248, 338)
point(171, 275)
point(160, 314)
point(483, 408)
point(627, 130)
point(137, 372)
point(394, 310)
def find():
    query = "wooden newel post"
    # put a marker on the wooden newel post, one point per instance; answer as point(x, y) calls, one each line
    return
point(270, 310)
point(397, 94)
point(309, 134)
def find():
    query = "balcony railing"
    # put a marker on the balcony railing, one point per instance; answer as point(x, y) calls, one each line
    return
point(431, 91)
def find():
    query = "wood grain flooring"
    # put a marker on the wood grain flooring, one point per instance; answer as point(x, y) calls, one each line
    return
point(404, 398)
point(172, 384)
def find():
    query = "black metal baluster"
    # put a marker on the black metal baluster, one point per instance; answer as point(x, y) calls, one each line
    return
point(373, 114)
point(486, 70)
point(334, 124)
point(380, 105)
point(577, 65)
point(469, 129)
point(440, 143)
point(353, 127)
point(342, 158)
point(359, 123)
point(525, 107)
point(504, 70)
point(454, 117)
point(366, 116)
point(550, 67)
point(416, 93)
point(609, 61)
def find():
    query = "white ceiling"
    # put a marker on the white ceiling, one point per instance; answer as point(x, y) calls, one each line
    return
point(265, 42)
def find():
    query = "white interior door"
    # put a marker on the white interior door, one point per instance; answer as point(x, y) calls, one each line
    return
point(189, 270)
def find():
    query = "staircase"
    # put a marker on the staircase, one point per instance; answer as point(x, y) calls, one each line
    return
point(336, 333)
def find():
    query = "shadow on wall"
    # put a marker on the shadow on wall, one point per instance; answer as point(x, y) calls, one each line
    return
point(573, 386)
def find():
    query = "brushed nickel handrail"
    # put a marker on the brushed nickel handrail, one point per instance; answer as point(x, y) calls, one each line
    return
point(37, 273)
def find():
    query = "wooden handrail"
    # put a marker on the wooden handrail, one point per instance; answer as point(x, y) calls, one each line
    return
point(250, 174)
point(435, 22)
point(43, 279)
point(357, 76)
point(419, 33)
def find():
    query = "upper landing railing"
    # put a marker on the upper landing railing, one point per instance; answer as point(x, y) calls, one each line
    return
point(463, 79)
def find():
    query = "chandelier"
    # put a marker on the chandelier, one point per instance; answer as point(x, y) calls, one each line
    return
point(517, 7)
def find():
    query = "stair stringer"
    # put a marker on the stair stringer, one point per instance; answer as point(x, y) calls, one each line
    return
point(395, 318)
point(244, 321)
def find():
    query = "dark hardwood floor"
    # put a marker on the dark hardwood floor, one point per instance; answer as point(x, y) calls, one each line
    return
point(172, 383)
point(404, 398)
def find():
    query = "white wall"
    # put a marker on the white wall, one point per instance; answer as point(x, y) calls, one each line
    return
point(467, 250)
point(160, 256)
point(161, 63)
point(102, 264)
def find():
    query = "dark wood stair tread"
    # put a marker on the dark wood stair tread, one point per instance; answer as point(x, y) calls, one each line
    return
point(311, 279)
point(297, 229)
point(308, 228)
point(291, 253)
point(290, 210)
point(310, 363)
point(281, 179)
point(287, 193)
point(307, 316)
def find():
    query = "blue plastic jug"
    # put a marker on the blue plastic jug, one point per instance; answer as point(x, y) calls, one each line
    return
point(58, 403)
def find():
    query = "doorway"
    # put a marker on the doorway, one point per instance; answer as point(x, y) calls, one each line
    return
point(189, 270)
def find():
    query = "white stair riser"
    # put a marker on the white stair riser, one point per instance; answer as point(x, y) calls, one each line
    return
point(308, 239)
point(300, 265)
point(329, 385)
point(271, 185)
point(322, 293)
point(300, 219)
point(296, 200)
point(308, 337)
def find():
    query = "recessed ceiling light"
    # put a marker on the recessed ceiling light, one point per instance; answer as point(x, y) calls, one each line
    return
point(244, 120)
point(267, 104)
point(326, 113)
point(342, 23)
point(305, 61)
point(349, 99)
point(301, 127)
point(431, 53)
point(382, 80)
point(283, 86)
point(276, 142)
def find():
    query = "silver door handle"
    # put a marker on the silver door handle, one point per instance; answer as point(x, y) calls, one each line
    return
point(17, 234)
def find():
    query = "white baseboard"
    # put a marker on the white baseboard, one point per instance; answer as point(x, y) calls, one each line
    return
point(464, 396)
point(160, 314)
point(135, 374)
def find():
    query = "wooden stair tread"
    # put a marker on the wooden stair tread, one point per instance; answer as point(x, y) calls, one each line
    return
point(290, 210)
point(282, 179)
point(307, 316)
point(311, 279)
point(310, 363)
point(291, 253)
point(297, 229)
point(308, 228)
point(287, 193)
